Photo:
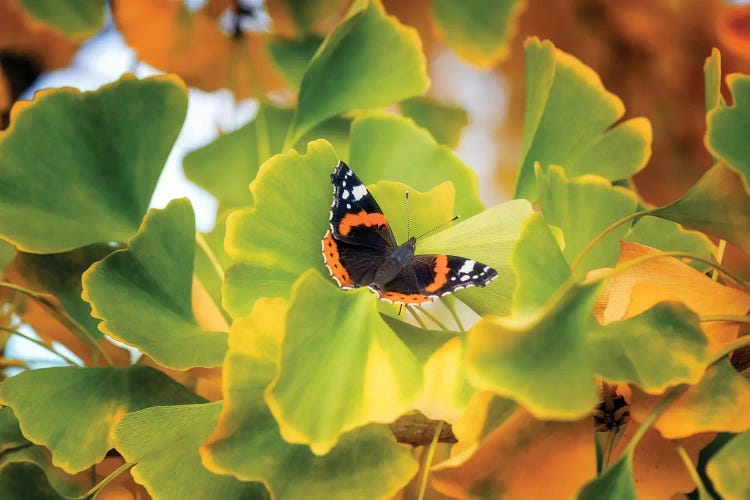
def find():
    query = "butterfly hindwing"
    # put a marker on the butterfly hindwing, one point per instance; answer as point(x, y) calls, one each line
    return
point(355, 216)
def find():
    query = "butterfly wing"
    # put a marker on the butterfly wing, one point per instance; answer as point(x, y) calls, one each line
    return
point(351, 265)
point(433, 275)
point(355, 216)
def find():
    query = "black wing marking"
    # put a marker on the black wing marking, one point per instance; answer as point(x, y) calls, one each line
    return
point(448, 273)
point(351, 266)
point(355, 216)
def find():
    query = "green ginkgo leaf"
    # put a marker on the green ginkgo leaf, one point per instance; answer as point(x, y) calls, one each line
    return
point(583, 207)
point(340, 79)
point(74, 18)
point(726, 136)
point(143, 436)
point(720, 402)
point(489, 238)
point(154, 277)
point(292, 57)
point(730, 468)
point(391, 147)
point(10, 434)
point(718, 204)
point(616, 483)
point(341, 366)
point(87, 178)
point(95, 399)
point(478, 30)
point(59, 274)
point(540, 361)
point(571, 121)
point(7, 252)
point(539, 266)
point(670, 236)
point(445, 122)
point(226, 166)
point(659, 348)
point(366, 463)
point(28, 473)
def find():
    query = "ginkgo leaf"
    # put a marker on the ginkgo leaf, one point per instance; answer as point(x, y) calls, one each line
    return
point(571, 121)
point(725, 136)
point(670, 236)
point(540, 361)
point(511, 458)
point(179, 473)
point(94, 398)
point(539, 266)
point(637, 289)
point(172, 38)
point(616, 482)
point(337, 349)
point(92, 177)
point(339, 79)
point(582, 207)
point(489, 238)
point(60, 275)
point(661, 347)
point(292, 57)
point(295, 18)
point(154, 276)
point(10, 433)
point(445, 122)
point(74, 18)
point(382, 144)
point(719, 402)
point(730, 468)
point(246, 442)
point(28, 472)
point(717, 204)
point(478, 30)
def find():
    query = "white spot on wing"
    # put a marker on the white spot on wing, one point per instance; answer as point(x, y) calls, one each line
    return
point(465, 277)
point(345, 194)
point(467, 268)
point(359, 192)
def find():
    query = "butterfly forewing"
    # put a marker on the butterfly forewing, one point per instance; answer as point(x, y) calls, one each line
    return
point(356, 217)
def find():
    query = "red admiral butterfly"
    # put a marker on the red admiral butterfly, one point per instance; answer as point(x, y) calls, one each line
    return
point(359, 249)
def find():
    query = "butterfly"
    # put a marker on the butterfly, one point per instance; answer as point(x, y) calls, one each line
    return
point(360, 249)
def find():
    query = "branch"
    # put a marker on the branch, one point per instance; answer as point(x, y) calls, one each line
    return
point(417, 430)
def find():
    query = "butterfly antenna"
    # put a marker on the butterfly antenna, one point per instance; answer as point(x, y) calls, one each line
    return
point(455, 217)
point(408, 219)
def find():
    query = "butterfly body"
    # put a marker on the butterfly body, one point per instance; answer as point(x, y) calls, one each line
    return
point(360, 249)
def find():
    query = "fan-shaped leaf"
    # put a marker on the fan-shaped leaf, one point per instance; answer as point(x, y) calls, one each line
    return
point(74, 18)
point(727, 126)
point(445, 122)
point(339, 79)
point(381, 145)
point(730, 468)
point(341, 366)
point(478, 30)
point(247, 444)
point(87, 178)
point(143, 436)
point(154, 277)
point(94, 398)
point(570, 121)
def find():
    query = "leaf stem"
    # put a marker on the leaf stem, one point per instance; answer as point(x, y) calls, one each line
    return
point(203, 244)
point(428, 461)
point(655, 413)
point(735, 318)
point(450, 304)
point(432, 318)
point(40, 344)
point(604, 233)
point(104, 482)
point(730, 348)
point(702, 492)
point(719, 257)
point(66, 319)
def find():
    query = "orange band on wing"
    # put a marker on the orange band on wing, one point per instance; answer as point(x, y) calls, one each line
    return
point(361, 218)
point(441, 271)
point(331, 256)
point(405, 298)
